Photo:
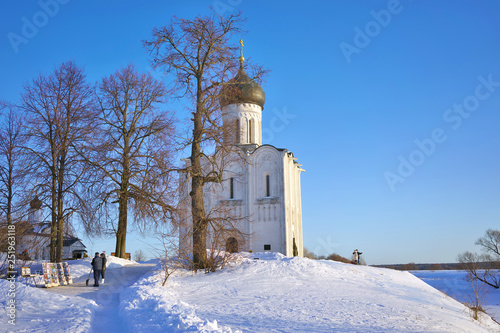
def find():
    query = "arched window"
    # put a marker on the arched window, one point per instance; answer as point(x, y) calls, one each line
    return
point(231, 188)
point(268, 188)
point(250, 131)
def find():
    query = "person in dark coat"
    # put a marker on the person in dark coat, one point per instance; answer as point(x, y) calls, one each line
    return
point(97, 266)
point(103, 257)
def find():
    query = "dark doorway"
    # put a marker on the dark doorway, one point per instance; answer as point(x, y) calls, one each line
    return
point(295, 250)
point(232, 245)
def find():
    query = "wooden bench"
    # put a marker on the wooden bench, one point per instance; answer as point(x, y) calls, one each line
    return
point(127, 255)
point(26, 274)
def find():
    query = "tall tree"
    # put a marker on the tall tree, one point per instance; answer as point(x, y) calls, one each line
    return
point(12, 165)
point(200, 55)
point(131, 153)
point(58, 111)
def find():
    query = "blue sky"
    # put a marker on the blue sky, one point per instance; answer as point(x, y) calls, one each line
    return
point(392, 107)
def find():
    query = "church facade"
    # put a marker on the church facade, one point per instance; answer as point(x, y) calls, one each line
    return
point(260, 186)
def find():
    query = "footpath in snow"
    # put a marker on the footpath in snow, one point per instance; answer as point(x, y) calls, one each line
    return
point(76, 307)
point(107, 296)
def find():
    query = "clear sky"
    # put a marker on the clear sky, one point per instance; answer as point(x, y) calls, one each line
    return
point(392, 107)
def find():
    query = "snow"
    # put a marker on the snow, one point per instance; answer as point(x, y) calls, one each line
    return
point(73, 308)
point(261, 292)
point(39, 311)
point(280, 294)
point(454, 284)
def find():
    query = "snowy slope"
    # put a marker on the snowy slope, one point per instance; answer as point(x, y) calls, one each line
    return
point(280, 294)
point(70, 308)
point(39, 311)
point(454, 284)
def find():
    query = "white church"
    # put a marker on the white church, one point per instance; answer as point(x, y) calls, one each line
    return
point(260, 184)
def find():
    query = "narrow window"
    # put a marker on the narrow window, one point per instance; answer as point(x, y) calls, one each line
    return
point(231, 188)
point(250, 131)
point(267, 247)
point(268, 190)
point(237, 134)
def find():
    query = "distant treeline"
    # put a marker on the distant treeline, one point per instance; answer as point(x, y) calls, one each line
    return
point(433, 267)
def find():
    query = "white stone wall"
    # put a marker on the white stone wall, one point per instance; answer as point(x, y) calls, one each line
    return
point(273, 219)
point(267, 212)
point(293, 204)
point(250, 121)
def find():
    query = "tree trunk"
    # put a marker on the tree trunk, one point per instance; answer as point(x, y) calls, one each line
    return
point(59, 237)
point(53, 226)
point(121, 232)
point(60, 221)
point(197, 203)
point(9, 197)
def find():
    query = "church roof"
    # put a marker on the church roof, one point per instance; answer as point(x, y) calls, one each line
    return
point(70, 241)
point(41, 228)
point(289, 153)
point(242, 89)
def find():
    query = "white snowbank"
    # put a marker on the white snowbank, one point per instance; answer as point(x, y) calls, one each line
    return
point(149, 307)
point(114, 262)
point(276, 293)
point(39, 311)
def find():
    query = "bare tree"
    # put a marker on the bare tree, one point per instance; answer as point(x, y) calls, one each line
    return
point(490, 243)
point(12, 166)
point(480, 267)
point(198, 54)
point(58, 109)
point(477, 299)
point(479, 278)
point(484, 267)
point(168, 254)
point(223, 233)
point(130, 152)
point(139, 255)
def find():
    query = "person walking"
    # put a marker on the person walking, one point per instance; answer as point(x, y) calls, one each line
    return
point(103, 257)
point(97, 266)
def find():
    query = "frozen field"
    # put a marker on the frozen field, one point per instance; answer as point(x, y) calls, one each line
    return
point(453, 283)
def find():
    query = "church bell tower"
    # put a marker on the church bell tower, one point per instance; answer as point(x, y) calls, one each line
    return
point(242, 101)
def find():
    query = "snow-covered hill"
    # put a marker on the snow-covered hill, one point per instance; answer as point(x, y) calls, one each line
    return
point(278, 294)
point(259, 292)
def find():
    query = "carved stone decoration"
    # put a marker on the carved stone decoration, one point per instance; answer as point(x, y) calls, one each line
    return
point(267, 158)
